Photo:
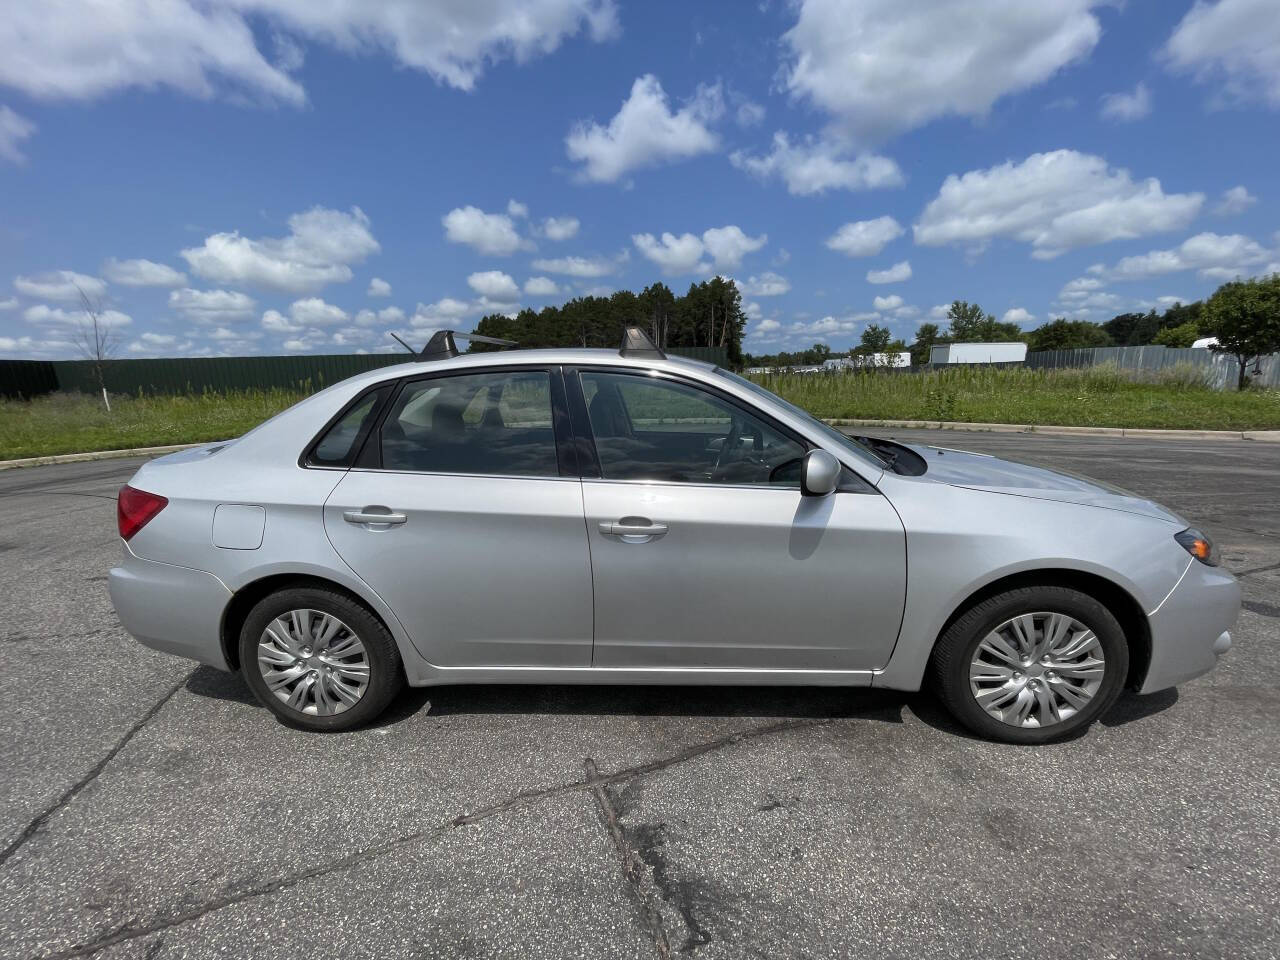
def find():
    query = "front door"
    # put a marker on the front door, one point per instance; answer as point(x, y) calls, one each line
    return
point(482, 553)
point(704, 552)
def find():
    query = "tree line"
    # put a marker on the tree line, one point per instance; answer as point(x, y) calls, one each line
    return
point(709, 314)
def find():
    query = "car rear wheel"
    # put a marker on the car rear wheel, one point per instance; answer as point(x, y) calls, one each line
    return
point(1031, 665)
point(319, 660)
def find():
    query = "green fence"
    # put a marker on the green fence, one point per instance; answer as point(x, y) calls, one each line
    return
point(31, 378)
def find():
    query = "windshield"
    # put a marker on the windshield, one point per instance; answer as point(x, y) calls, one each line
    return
point(844, 442)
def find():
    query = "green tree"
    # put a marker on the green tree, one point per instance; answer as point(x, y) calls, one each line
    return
point(1244, 315)
point(1064, 334)
point(1183, 335)
point(926, 336)
point(968, 323)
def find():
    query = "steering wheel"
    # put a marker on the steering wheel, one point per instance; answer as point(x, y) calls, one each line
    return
point(730, 443)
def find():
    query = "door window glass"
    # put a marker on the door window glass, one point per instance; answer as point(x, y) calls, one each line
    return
point(652, 429)
point(486, 423)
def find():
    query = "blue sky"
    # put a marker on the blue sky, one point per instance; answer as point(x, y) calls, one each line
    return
point(232, 177)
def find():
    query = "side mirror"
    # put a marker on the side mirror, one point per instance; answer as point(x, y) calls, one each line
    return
point(820, 475)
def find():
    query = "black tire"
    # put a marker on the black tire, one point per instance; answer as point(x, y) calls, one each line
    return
point(386, 672)
point(949, 666)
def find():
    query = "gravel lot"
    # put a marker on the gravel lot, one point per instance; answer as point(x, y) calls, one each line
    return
point(152, 809)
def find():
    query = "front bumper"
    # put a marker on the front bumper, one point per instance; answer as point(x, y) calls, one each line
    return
point(174, 609)
point(1191, 628)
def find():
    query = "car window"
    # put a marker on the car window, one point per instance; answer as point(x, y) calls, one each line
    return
point(652, 429)
point(486, 423)
point(337, 447)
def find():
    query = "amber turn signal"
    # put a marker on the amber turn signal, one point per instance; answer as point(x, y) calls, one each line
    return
point(1198, 545)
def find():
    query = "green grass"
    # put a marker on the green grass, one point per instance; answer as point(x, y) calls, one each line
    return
point(71, 423)
point(1099, 396)
point(75, 422)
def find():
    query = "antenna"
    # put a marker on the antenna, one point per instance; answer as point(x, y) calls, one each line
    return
point(403, 344)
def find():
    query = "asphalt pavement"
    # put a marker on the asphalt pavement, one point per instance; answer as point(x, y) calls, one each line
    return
point(151, 808)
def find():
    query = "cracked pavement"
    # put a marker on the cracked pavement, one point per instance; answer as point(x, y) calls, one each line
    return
point(152, 809)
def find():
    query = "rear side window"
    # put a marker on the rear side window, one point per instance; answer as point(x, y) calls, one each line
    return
point(338, 446)
point(496, 424)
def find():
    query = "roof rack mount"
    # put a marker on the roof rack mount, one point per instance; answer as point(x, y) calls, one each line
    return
point(637, 343)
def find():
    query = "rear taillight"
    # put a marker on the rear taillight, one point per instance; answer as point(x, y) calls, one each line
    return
point(135, 508)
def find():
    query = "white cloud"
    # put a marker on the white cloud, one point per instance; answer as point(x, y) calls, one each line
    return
point(319, 250)
point(273, 321)
point(151, 343)
point(1236, 200)
point(749, 114)
point(1234, 41)
point(882, 67)
point(767, 284)
point(1079, 289)
point(940, 311)
point(441, 313)
point(142, 273)
point(9, 303)
point(895, 274)
point(578, 266)
point(1018, 315)
point(645, 132)
point(85, 50)
point(865, 238)
point(560, 228)
point(517, 209)
point(378, 288)
point(14, 128)
point(387, 315)
point(819, 164)
point(892, 302)
point(675, 255)
point(1212, 255)
point(1053, 201)
point(57, 316)
point(1124, 107)
point(728, 245)
point(211, 306)
point(60, 285)
point(496, 285)
point(767, 325)
point(541, 287)
point(314, 312)
point(493, 234)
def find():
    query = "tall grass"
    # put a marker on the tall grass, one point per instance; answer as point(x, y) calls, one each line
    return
point(1098, 396)
point(75, 422)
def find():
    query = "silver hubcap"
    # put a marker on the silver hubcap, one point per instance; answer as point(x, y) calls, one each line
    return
point(1037, 669)
point(313, 662)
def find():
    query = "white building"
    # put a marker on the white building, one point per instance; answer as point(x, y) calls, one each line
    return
point(1014, 352)
point(897, 359)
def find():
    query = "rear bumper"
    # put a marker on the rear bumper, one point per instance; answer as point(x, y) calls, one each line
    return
point(169, 608)
point(1191, 629)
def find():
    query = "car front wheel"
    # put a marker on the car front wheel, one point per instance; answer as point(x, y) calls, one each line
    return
point(319, 660)
point(1031, 665)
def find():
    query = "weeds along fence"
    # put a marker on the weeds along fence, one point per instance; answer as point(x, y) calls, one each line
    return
point(1218, 370)
point(195, 375)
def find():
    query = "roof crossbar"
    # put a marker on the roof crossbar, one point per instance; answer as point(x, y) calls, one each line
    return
point(636, 343)
point(442, 345)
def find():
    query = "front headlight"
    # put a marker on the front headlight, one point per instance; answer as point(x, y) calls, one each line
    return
point(1198, 545)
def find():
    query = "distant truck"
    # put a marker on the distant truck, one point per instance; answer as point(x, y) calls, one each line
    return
point(869, 360)
point(1013, 352)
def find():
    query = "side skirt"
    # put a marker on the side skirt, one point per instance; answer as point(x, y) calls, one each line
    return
point(430, 675)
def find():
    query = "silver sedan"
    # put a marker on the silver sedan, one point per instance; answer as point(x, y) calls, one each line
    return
point(591, 516)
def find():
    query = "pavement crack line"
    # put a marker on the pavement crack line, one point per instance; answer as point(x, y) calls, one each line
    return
point(132, 931)
point(631, 871)
point(71, 792)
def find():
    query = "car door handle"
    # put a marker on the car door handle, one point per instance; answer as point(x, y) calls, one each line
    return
point(632, 527)
point(373, 515)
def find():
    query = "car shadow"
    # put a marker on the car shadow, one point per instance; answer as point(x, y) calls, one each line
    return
point(536, 699)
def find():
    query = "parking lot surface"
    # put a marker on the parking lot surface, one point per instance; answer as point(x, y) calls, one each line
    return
point(152, 809)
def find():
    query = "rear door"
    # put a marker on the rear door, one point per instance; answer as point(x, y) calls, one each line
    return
point(465, 516)
point(705, 553)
